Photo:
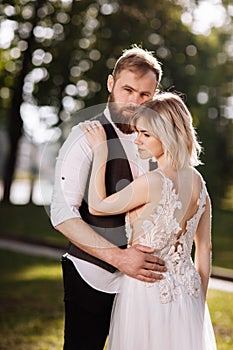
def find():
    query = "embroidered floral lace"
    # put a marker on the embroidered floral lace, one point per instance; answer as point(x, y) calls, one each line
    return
point(172, 244)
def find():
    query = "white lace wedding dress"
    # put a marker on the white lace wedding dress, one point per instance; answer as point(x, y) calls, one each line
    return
point(170, 314)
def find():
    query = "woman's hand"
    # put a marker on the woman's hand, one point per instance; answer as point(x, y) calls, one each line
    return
point(94, 133)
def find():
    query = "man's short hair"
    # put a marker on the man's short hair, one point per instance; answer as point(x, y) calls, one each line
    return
point(140, 60)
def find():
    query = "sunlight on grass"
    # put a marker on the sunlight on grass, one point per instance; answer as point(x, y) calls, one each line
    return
point(227, 202)
point(105, 347)
point(221, 311)
point(38, 272)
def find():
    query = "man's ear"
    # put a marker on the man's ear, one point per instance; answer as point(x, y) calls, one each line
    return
point(110, 83)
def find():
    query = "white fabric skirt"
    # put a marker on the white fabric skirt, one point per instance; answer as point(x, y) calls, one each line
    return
point(141, 322)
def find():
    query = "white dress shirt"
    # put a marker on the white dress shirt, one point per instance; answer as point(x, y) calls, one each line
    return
point(71, 173)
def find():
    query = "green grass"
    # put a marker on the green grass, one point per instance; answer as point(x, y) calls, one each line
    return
point(31, 305)
point(221, 311)
point(222, 238)
point(29, 222)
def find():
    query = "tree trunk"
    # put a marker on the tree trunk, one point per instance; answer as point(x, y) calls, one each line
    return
point(15, 121)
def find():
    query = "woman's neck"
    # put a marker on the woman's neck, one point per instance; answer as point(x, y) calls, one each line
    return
point(165, 167)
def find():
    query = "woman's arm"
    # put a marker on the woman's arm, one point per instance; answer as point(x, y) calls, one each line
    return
point(132, 196)
point(203, 247)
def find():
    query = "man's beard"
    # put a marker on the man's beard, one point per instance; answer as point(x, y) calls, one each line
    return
point(121, 115)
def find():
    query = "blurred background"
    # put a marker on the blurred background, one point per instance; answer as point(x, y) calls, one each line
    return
point(55, 57)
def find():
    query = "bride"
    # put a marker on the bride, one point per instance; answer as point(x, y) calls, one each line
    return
point(168, 209)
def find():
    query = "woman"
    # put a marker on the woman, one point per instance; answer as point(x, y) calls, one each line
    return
point(167, 209)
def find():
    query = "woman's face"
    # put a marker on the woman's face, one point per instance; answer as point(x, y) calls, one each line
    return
point(148, 145)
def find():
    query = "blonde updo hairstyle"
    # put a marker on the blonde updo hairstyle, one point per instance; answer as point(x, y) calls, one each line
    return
point(167, 118)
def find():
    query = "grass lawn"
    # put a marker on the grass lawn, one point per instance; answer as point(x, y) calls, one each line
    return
point(31, 306)
point(221, 312)
point(29, 222)
point(222, 238)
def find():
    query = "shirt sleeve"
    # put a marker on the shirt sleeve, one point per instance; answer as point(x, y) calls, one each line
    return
point(71, 173)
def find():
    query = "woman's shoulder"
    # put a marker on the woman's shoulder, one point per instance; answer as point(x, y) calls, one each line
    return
point(155, 185)
point(194, 180)
point(155, 179)
point(197, 175)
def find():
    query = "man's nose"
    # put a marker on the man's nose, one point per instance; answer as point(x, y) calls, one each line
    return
point(135, 99)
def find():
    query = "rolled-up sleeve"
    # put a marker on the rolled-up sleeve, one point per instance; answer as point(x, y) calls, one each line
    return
point(71, 173)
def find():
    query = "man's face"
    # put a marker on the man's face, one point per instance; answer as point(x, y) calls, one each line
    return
point(127, 92)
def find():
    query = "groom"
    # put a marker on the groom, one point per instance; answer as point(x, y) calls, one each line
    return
point(95, 242)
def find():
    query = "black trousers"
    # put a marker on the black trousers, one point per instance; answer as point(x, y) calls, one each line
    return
point(87, 312)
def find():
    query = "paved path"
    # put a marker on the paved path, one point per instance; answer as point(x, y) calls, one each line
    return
point(31, 249)
point(53, 253)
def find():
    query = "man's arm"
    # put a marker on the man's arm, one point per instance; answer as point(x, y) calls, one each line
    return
point(71, 173)
point(135, 261)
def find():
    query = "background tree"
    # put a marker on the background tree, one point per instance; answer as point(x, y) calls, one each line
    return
point(15, 122)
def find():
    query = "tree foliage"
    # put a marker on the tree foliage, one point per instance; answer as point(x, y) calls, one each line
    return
point(59, 54)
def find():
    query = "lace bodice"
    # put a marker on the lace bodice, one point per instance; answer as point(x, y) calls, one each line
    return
point(162, 230)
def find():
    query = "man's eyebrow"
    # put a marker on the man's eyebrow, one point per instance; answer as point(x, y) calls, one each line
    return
point(141, 92)
point(128, 86)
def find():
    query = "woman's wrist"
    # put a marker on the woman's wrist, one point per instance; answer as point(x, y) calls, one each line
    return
point(100, 151)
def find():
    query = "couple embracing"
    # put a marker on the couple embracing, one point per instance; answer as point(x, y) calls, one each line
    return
point(128, 272)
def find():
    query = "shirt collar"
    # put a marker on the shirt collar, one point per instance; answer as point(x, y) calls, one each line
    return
point(108, 115)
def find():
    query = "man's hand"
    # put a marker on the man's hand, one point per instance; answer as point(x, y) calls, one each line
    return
point(138, 262)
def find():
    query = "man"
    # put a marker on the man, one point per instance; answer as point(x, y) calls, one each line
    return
point(96, 242)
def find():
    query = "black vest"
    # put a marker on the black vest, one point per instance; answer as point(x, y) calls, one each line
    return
point(118, 175)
